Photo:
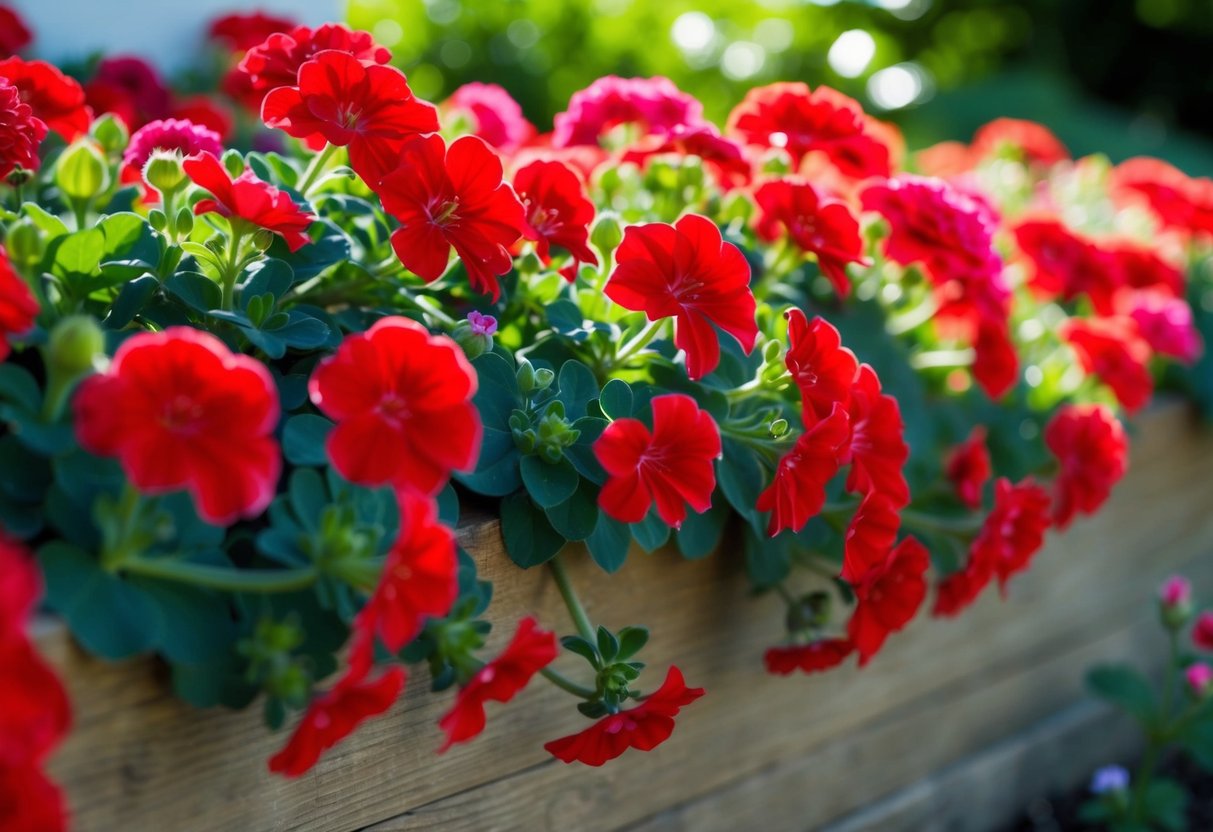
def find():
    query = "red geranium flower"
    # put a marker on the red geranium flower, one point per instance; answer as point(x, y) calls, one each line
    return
point(1067, 265)
point(276, 62)
point(34, 710)
point(870, 535)
point(825, 228)
point(686, 271)
point(20, 586)
point(1177, 200)
point(1034, 142)
point(341, 101)
point(393, 390)
point(20, 131)
point(1113, 350)
point(419, 581)
point(557, 211)
point(969, 467)
point(887, 597)
point(724, 158)
point(131, 88)
point(1202, 631)
point(29, 801)
point(644, 727)
point(1142, 267)
point(995, 362)
point(878, 445)
point(453, 197)
point(959, 590)
point(797, 492)
point(645, 106)
point(1093, 451)
point(673, 464)
point(790, 116)
point(808, 658)
point(531, 650)
point(185, 137)
point(822, 368)
point(249, 199)
point(14, 34)
point(335, 715)
point(180, 410)
point(205, 112)
point(241, 32)
point(55, 98)
point(493, 115)
point(1163, 321)
point(18, 308)
point(1014, 530)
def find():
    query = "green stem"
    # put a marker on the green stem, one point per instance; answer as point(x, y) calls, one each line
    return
point(224, 578)
point(941, 358)
point(571, 601)
point(315, 168)
point(948, 525)
point(632, 348)
point(568, 685)
point(232, 270)
point(119, 547)
point(913, 318)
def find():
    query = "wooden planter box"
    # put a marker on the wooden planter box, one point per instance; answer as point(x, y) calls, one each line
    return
point(956, 724)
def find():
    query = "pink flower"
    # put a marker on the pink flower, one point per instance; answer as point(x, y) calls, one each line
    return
point(1202, 631)
point(494, 115)
point(647, 105)
point(1176, 591)
point(1200, 679)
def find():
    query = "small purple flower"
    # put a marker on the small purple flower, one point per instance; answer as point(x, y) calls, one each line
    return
point(482, 324)
point(1110, 779)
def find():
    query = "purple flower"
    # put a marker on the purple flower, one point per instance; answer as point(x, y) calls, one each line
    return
point(1110, 779)
point(482, 324)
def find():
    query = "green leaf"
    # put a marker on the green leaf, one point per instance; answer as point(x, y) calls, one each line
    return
point(651, 532)
point(330, 248)
point(564, 316)
point(577, 516)
point(130, 300)
point(195, 290)
point(609, 543)
point(529, 538)
point(1167, 805)
point(19, 387)
point(578, 388)
point(195, 625)
point(616, 399)
point(1198, 742)
point(1126, 688)
point(303, 438)
point(631, 641)
point(549, 484)
point(740, 476)
point(608, 645)
point(44, 220)
point(270, 276)
point(578, 645)
point(767, 560)
point(581, 452)
point(700, 533)
point(78, 254)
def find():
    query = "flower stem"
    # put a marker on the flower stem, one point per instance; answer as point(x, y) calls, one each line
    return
point(568, 685)
point(576, 611)
point(222, 577)
point(315, 168)
point(948, 525)
point(632, 348)
point(232, 270)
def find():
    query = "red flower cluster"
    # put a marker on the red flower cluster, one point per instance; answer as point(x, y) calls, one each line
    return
point(276, 62)
point(185, 137)
point(969, 468)
point(1090, 444)
point(248, 199)
point(646, 106)
point(557, 211)
point(18, 308)
point(392, 389)
point(20, 131)
point(724, 158)
point(241, 32)
point(687, 272)
point(1066, 265)
point(180, 410)
point(1113, 350)
point(673, 464)
point(54, 97)
point(131, 89)
point(448, 198)
point(791, 117)
point(531, 650)
point(887, 596)
point(823, 227)
point(1032, 142)
point(492, 114)
point(1178, 201)
point(644, 727)
point(14, 34)
point(797, 492)
point(808, 658)
point(34, 710)
point(339, 100)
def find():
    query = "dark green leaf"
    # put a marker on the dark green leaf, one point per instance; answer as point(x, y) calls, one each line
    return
point(1126, 688)
point(1167, 805)
point(529, 538)
point(578, 645)
point(631, 641)
point(700, 533)
point(609, 543)
point(651, 532)
point(195, 290)
point(577, 516)
point(130, 301)
point(578, 388)
point(549, 484)
point(616, 399)
point(303, 438)
point(608, 645)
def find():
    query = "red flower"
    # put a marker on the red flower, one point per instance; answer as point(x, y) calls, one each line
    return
point(20, 131)
point(204, 111)
point(493, 115)
point(184, 137)
point(959, 590)
point(1202, 631)
point(789, 116)
point(557, 211)
point(823, 227)
point(335, 715)
point(1093, 451)
point(644, 727)
point(18, 308)
point(822, 368)
point(1067, 265)
point(180, 410)
point(672, 465)
point(887, 597)
point(724, 158)
point(1033, 142)
point(1142, 267)
point(394, 390)
point(20, 587)
point(14, 34)
point(341, 101)
point(645, 106)
point(34, 711)
point(1163, 321)
point(870, 535)
point(249, 199)
point(995, 362)
point(1178, 201)
point(55, 98)
point(969, 468)
point(276, 62)
point(241, 32)
point(531, 650)
point(453, 197)
point(878, 446)
point(686, 271)
point(797, 492)
point(420, 578)
point(808, 658)
point(1113, 350)
point(131, 88)
point(29, 801)
point(1014, 530)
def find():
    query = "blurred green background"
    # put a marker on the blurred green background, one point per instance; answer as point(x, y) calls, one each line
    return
point(1123, 77)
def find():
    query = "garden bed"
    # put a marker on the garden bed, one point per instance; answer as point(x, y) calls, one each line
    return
point(796, 752)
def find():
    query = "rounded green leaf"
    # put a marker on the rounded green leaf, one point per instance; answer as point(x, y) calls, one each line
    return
point(549, 484)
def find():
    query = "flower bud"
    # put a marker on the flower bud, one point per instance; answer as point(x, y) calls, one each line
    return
point(777, 162)
point(544, 378)
point(525, 377)
point(475, 335)
point(19, 176)
point(157, 220)
point(82, 172)
point(607, 232)
point(185, 221)
point(1175, 602)
point(772, 351)
point(74, 344)
point(263, 238)
point(164, 171)
point(1200, 680)
point(25, 245)
point(109, 132)
point(779, 427)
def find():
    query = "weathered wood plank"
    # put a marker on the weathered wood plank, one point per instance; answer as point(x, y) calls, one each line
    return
point(141, 760)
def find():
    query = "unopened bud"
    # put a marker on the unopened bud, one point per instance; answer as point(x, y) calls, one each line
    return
point(109, 132)
point(164, 171)
point(1200, 680)
point(525, 376)
point(75, 342)
point(25, 246)
point(544, 378)
point(607, 232)
point(82, 172)
point(779, 428)
point(1175, 602)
